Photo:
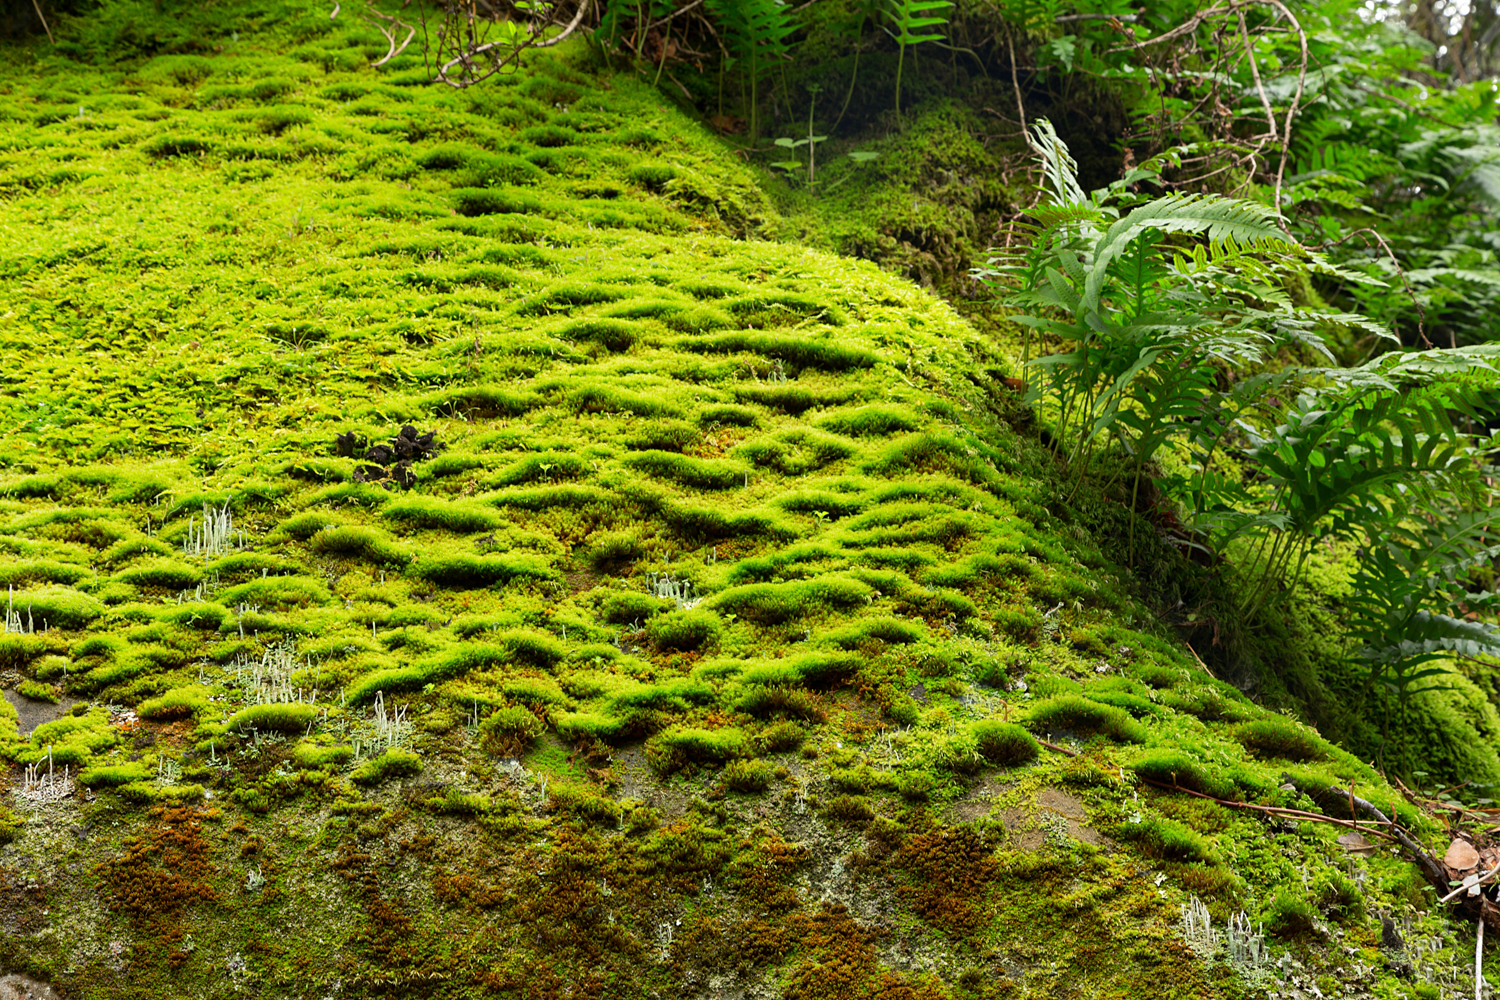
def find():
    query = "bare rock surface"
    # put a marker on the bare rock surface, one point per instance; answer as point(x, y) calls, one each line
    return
point(18, 987)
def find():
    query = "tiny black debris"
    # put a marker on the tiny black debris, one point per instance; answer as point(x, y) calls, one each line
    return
point(390, 464)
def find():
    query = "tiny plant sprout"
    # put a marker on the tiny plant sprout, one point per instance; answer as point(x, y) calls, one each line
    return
point(858, 157)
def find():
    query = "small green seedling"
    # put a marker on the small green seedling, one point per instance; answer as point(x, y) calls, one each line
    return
point(859, 157)
point(811, 142)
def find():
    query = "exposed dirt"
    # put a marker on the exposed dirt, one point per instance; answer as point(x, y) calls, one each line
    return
point(979, 800)
point(637, 781)
point(1055, 812)
point(34, 713)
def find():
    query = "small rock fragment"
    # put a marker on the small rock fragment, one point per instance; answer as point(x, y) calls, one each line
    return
point(1461, 856)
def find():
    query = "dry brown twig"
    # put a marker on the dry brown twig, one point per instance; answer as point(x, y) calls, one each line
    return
point(1015, 82)
point(1410, 292)
point(1281, 811)
point(1470, 885)
point(371, 14)
point(38, 8)
point(1260, 88)
point(676, 11)
point(1479, 908)
point(1479, 964)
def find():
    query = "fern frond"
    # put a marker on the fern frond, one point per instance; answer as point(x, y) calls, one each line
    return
point(754, 28)
point(1428, 636)
point(1431, 275)
point(1223, 221)
point(1423, 366)
point(1058, 165)
point(1058, 216)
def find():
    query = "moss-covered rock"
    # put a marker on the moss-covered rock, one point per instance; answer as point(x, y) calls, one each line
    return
point(707, 652)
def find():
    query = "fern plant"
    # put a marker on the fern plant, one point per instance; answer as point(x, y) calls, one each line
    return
point(1149, 307)
point(910, 24)
point(1352, 455)
point(1145, 306)
point(755, 33)
point(1412, 603)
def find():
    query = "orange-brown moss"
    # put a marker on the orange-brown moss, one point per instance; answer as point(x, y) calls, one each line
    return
point(764, 871)
point(839, 963)
point(163, 871)
point(389, 939)
point(948, 874)
point(560, 896)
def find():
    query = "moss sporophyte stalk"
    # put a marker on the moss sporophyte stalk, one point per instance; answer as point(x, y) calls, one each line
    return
point(462, 542)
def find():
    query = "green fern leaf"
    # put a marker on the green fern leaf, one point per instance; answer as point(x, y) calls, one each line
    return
point(1428, 636)
point(1221, 219)
point(1058, 165)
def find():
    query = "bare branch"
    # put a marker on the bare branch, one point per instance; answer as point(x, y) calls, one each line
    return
point(1391, 254)
point(1015, 82)
point(38, 8)
point(460, 35)
point(1260, 89)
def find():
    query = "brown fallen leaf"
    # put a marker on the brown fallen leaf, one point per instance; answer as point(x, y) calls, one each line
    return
point(1461, 856)
point(1355, 843)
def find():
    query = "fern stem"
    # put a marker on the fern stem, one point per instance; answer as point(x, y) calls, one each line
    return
point(812, 147)
point(1140, 468)
point(662, 64)
point(638, 36)
point(1278, 569)
point(1208, 457)
point(754, 100)
point(1260, 562)
point(853, 76)
point(786, 90)
point(900, 60)
point(1269, 574)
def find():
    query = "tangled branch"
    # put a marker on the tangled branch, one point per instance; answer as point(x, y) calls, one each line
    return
point(478, 39)
point(1278, 134)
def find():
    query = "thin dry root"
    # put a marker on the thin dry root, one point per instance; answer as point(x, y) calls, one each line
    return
point(38, 8)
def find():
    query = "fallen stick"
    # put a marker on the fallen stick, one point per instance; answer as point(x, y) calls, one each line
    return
point(1479, 964)
point(1469, 885)
point(43, 18)
point(1478, 908)
point(1282, 811)
point(1475, 907)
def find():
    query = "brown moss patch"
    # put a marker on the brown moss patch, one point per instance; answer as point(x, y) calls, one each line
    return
point(840, 963)
point(765, 873)
point(163, 871)
point(948, 872)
